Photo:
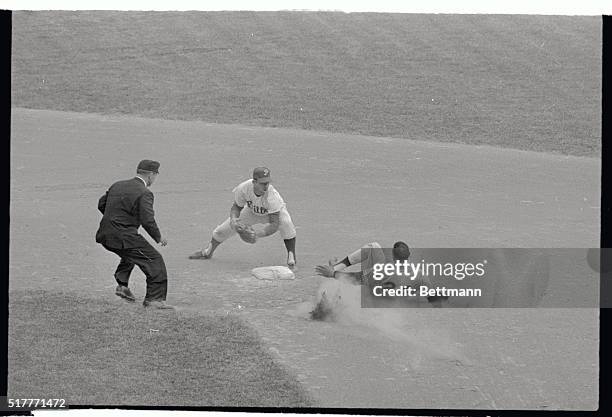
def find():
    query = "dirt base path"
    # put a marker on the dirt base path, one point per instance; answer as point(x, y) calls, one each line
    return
point(342, 192)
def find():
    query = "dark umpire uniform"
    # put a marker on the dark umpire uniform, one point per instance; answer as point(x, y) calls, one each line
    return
point(125, 207)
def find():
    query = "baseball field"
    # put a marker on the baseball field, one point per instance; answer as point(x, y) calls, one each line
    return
point(441, 130)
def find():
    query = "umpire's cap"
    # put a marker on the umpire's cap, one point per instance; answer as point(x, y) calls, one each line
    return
point(148, 165)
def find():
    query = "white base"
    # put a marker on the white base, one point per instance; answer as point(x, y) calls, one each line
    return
point(273, 273)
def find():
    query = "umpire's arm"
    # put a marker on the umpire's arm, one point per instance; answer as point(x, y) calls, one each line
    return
point(271, 227)
point(147, 216)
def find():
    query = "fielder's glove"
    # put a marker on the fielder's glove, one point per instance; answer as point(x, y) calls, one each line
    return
point(246, 233)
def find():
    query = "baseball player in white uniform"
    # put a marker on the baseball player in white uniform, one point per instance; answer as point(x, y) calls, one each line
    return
point(256, 201)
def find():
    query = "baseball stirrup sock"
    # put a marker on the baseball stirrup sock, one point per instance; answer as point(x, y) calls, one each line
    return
point(355, 257)
point(290, 245)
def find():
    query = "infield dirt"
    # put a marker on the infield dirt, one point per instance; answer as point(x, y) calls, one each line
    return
point(447, 195)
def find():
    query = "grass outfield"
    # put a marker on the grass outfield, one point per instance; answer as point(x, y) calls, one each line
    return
point(529, 82)
point(64, 346)
point(526, 82)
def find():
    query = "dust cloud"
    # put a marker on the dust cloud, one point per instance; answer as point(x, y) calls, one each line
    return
point(417, 331)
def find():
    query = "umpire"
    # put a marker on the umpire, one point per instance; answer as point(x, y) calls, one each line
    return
point(125, 207)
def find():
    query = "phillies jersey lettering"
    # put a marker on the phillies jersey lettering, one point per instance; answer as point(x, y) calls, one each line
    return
point(268, 203)
point(257, 209)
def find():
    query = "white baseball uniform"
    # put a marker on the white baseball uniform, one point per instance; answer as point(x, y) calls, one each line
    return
point(256, 210)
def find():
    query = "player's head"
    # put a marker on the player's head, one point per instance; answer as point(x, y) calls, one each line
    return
point(148, 170)
point(401, 251)
point(261, 180)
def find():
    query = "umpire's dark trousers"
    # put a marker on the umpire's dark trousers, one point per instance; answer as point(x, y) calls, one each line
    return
point(151, 264)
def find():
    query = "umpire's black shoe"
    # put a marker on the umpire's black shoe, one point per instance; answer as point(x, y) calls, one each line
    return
point(124, 292)
point(159, 304)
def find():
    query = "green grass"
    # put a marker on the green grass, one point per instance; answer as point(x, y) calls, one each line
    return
point(115, 353)
point(526, 82)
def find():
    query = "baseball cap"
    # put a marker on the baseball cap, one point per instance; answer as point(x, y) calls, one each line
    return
point(262, 174)
point(401, 251)
point(148, 165)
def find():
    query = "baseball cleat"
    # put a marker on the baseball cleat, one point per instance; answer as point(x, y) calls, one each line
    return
point(125, 293)
point(200, 255)
point(159, 304)
point(291, 260)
